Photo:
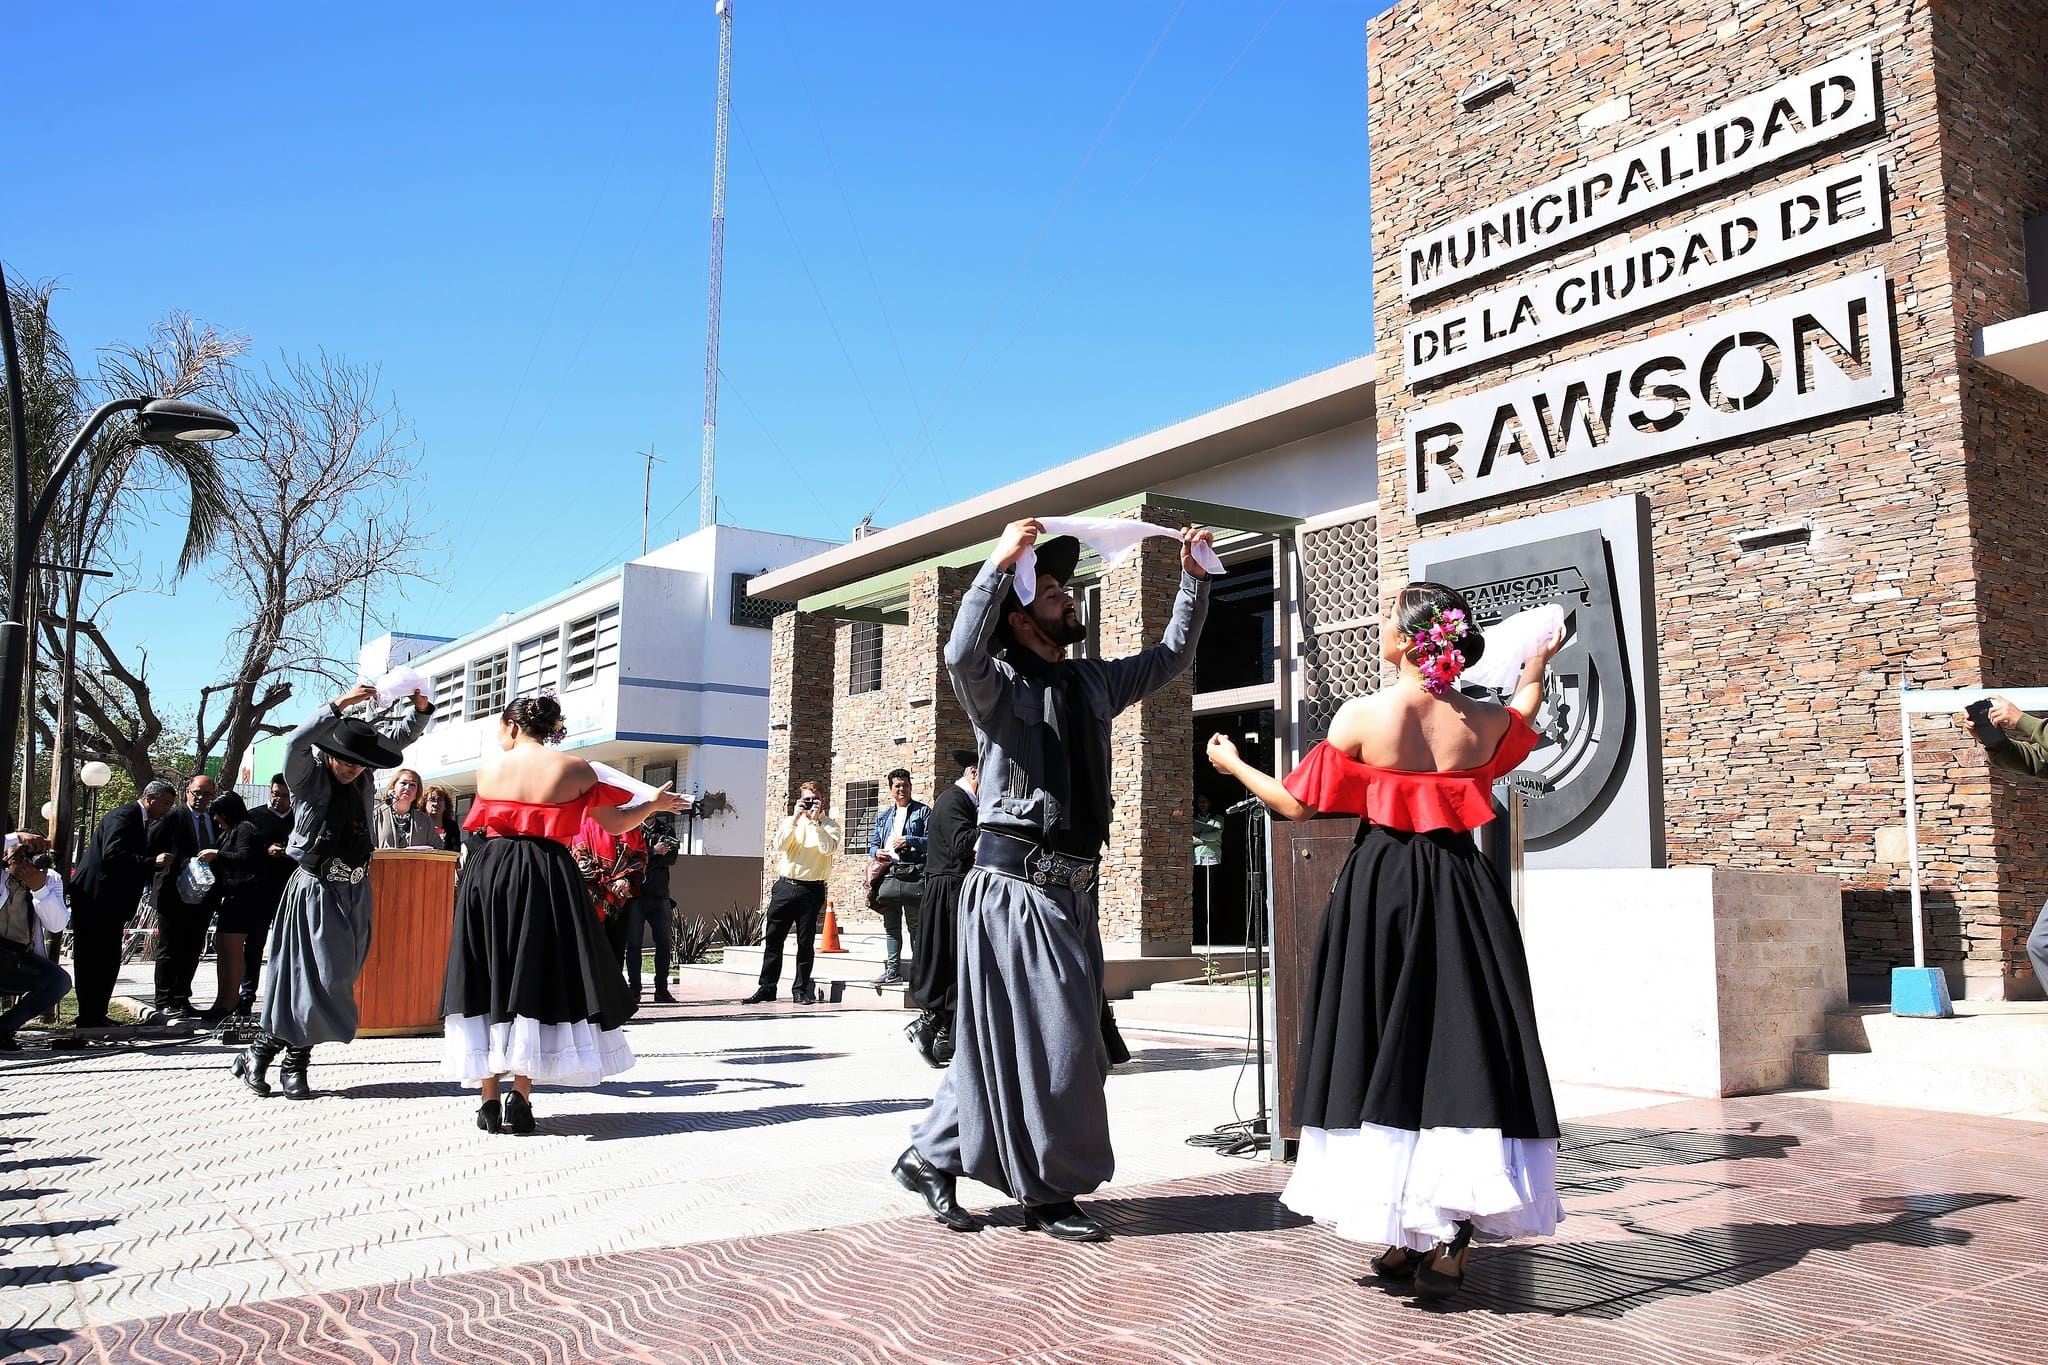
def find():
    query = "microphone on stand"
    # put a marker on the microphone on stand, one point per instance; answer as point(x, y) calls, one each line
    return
point(1243, 806)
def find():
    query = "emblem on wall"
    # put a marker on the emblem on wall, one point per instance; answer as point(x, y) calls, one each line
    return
point(1586, 719)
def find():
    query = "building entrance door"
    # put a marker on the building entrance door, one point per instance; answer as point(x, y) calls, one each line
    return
point(1220, 890)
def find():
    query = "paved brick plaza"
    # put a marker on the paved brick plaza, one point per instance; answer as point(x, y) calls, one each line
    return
point(727, 1200)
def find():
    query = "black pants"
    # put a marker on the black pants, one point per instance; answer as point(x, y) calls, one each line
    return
point(643, 911)
point(95, 961)
point(180, 939)
point(792, 905)
point(252, 960)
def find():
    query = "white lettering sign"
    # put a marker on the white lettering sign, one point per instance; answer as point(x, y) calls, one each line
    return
point(1816, 214)
point(1821, 351)
point(1791, 117)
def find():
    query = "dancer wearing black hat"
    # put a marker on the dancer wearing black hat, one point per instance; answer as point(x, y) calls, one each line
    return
point(1022, 1106)
point(322, 931)
point(949, 853)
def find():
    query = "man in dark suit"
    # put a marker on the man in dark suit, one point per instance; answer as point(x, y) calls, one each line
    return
point(126, 850)
point(274, 824)
point(949, 856)
point(181, 926)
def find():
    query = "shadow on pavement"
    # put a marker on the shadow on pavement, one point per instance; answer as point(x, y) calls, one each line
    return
point(1610, 1279)
point(612, 1127)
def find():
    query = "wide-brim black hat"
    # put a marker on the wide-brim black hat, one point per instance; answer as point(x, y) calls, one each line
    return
point(353, 740)
point(966, 758)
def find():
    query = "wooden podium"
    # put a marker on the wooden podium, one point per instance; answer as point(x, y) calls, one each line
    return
point(413, 918)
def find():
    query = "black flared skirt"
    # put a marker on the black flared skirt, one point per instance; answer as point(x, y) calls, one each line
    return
point(528, 942)
point(935, 967)
point(1418, 1014)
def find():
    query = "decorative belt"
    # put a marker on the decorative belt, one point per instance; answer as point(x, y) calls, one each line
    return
point(1034, 863)
point(339, 871)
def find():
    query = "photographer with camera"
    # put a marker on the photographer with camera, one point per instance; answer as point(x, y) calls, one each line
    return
point(805, 843)
point(2018, 743)
point(31, 904)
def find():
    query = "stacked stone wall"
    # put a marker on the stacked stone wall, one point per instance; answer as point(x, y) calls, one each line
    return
point(1781, 665)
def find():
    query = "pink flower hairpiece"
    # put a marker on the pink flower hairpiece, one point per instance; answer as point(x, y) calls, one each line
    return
point(1436, 650)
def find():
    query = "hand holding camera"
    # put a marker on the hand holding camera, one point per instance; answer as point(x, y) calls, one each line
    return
point(1989, 719)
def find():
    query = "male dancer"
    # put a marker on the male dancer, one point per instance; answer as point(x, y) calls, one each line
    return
point(1022, 1107)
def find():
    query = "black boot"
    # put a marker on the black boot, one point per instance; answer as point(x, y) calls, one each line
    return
point(252, 1061)
point(942, 1042)
point(291, 1076)
point(518, 1112)
point(922, 1178)
point(489, 1117)
point(923, 1031)
point(1064, 1221)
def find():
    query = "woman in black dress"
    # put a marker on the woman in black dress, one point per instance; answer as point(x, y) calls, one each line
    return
point(1421, 1089)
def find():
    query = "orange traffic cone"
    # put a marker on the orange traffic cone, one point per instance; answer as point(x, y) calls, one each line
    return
point(831, 943)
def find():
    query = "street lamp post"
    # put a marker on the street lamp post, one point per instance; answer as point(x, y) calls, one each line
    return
point(159, 421)
point(94, 775)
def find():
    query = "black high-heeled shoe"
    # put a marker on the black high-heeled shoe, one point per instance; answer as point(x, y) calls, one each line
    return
point(489, 1117)
point(1442, 1273)
point(518, 1112)
point(1396, 1263)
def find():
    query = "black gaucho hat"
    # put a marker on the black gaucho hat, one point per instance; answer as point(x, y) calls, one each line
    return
point(963, 759)
point(1057, 557)
point(356, 741)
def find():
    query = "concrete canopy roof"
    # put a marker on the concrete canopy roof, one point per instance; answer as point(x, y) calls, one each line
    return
point(1320, 402)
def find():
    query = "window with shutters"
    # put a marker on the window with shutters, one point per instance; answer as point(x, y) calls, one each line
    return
point(593, 647)
point(539, 665)
point(447, 698)
point(488, 678)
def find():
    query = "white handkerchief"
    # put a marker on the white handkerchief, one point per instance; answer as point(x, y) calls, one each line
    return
point(1112, 539)
point(642, 793)
point(402, 682)
point(1512, 643)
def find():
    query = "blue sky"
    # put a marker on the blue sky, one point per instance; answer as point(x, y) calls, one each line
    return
point(1011, 233)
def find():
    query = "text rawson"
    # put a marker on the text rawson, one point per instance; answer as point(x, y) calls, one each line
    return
point(1821, 351)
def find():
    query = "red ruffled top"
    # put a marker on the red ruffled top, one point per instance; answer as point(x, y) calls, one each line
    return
point(1398, 798)
point(561, 821)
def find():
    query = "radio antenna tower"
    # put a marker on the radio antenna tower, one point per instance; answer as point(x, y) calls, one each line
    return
point(707, 491)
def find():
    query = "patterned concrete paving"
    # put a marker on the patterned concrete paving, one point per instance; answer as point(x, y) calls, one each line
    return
point(728, 1200)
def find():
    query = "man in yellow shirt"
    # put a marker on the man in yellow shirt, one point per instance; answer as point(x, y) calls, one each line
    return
point(805, 843)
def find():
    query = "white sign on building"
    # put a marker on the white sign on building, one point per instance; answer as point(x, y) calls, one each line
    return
point(1786, 120)
point(1819, 213)
point(1821, 351)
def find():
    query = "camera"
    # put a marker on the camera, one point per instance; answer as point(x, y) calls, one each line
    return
point(808, 803)
point(662, 826)
point(45, 861)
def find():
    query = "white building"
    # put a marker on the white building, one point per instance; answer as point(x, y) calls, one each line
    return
point(661, 666)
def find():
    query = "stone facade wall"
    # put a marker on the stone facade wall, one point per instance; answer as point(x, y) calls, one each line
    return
point(1147, 894)
point(1781, 665)
point(1992, 89)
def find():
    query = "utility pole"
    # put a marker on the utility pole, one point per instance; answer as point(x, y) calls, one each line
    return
point(647, 492)
point(707, 495)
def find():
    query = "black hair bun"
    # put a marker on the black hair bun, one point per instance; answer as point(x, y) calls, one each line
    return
point(538, 717)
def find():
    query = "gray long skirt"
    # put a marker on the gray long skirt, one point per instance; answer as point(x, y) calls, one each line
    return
point(317, 945)
point(1021, 1108)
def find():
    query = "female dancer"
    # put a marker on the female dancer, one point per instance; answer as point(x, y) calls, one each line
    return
point(533, 990)
point(1421, 1090)
point(322, 931)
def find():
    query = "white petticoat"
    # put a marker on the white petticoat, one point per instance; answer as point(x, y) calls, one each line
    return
point(558, 1054)
point(1401, 1188)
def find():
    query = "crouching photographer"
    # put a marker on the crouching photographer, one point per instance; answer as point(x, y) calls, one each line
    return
point(2016, 742)
point(31, 903)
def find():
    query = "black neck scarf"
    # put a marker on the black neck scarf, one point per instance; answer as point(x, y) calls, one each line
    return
point(1076, 775)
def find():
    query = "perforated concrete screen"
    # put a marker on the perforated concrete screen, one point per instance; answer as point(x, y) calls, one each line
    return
point(1340, 618)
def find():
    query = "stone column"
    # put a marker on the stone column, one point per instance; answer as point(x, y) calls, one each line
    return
point(1148, 869)
point(800, 673)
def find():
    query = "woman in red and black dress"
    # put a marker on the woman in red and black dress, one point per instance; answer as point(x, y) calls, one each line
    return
point(1424, 1102)
point(533, 990)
